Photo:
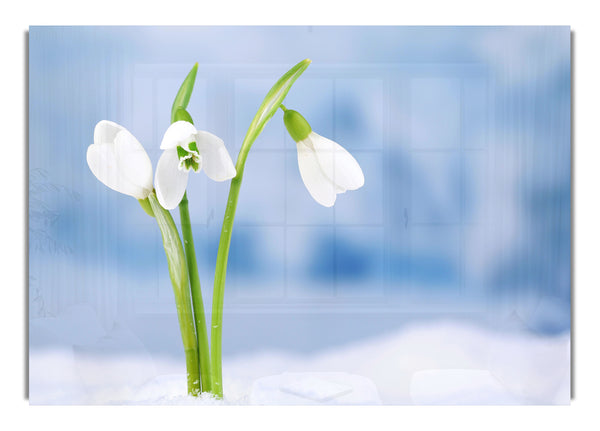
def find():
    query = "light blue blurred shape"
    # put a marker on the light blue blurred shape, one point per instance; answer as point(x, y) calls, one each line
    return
point(435, 105)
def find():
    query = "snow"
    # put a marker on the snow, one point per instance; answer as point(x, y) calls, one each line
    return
point(314, 389)
point(442, 362)
point(458, 387)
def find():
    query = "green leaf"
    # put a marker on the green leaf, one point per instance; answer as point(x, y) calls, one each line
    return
point(270, 104)
point(173, 248)
point(267, 109)
point(185, 91)
point(178, 272)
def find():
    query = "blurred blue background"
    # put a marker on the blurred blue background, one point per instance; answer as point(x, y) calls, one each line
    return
point(463, 135)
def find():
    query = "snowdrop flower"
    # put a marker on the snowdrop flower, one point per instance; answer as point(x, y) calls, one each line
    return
point(326, 168)
point(119, 161)
point(186, 148)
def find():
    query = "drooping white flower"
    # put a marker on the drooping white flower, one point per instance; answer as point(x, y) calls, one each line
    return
point(186, 148)
point(119, 161)
point(326, 168)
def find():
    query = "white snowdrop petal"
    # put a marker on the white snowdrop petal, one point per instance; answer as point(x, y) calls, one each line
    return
point(319, 186)
point(133, 161)
point(106, 132)
point(216, 161)
point(169, 181)
point(102, 161)
point(178, 133)
point(337, 163)
point(339, 189)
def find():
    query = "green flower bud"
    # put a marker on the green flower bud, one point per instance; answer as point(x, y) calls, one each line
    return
point(182, 115)
point(296, 125)
point(145, 203)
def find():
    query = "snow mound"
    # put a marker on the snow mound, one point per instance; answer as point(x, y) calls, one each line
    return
point(435, 363)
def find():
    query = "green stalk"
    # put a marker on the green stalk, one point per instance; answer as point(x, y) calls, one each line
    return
point(179, 279)
point(199, 315)
point(219, 287)
point(179, 113)
point(267, 109)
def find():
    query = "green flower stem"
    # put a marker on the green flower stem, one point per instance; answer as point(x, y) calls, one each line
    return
point(267, 109)
point(179, 113)
point(199, 315)
point(219, 287)
point(179, 279)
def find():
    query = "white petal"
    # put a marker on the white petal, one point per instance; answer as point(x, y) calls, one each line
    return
point(134, 163)
point(169, 181)
point(102, 161)
point(106, 131)
point(337, 163)
point(319, 186)
point(215, 159)
point(178, 133)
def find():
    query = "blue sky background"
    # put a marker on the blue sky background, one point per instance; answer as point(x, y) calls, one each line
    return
point(463, 135)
